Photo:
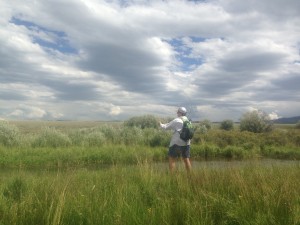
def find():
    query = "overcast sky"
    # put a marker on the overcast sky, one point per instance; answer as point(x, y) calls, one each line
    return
point(114, 59)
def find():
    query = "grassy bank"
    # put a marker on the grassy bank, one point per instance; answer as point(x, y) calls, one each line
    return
point(145, 194)
point(62, 157)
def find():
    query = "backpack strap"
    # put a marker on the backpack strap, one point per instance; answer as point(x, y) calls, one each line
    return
point(184, 118)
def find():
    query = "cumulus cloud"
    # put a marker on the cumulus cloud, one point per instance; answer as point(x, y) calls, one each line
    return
point(273, 116)
point(115, 110)
point(28, 112)
point(115, 59)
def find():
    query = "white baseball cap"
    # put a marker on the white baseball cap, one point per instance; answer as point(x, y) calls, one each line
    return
point(182, 110)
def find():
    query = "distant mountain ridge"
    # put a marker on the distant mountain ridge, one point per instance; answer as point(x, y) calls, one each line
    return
point(288, 120)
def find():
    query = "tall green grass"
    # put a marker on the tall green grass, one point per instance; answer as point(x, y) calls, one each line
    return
point(62, 157)
point(147, 194)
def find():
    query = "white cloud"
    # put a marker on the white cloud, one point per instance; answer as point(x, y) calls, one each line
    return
point(28, 112)
point(115, 110)
point(122, 58)
point(17, 113)
point(273, 116)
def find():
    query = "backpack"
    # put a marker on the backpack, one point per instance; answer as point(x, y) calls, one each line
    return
point(187, 131)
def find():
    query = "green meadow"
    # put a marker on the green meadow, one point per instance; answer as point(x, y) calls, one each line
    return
point(108, 173)
point(147, 194)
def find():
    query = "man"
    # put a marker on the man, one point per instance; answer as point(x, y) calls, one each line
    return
point(178, 147)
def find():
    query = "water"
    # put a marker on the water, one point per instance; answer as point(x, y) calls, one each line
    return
point(161, 166)
point(223, 164)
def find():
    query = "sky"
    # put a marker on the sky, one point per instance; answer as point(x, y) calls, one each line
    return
point(115, 59)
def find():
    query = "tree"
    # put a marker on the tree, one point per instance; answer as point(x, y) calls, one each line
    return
point(226, 125)
point(256, 121)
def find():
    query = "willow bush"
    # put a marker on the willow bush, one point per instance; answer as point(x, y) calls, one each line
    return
point(147, 121)
point(111, 133)
point(9, 134)
point(131, 136)
point(227, 125)
point(256, 121)
point(50, 137)
point(223, 138)
point(94, 139)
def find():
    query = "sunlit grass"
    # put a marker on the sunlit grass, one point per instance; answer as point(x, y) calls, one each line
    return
point(147, 194)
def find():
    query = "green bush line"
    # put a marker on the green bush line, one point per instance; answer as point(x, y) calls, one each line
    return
point(144, 194)
point(107, 144)
point(10, 136)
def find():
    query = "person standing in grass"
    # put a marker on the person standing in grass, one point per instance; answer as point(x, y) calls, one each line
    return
point(178, 147)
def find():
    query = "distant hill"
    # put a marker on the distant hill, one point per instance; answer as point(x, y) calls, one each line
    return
point(289, 120)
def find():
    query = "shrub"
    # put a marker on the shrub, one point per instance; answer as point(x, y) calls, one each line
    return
point(147, 121)
point(159, 138)
point(9, 134)
point(275, 138)
point(256, 121)
point(297, 125)
point(50, 137)
point(201, 129)
point(233, 152)
point(93, 139)
point(205, 123)
point(131, 136)
point(293, 137)
point(223, 138)
point(226, 125)
point(110, 133)
point(206, 151)
point(77, 136)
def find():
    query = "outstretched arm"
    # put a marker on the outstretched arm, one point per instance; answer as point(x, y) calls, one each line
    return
point(162, 125)
point(169, 126)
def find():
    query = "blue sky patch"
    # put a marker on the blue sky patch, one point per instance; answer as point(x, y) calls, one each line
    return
point(183, 56)
point(46, 38)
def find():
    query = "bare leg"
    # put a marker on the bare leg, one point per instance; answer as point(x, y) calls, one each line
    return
point(171, 164)
point(187, 164)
